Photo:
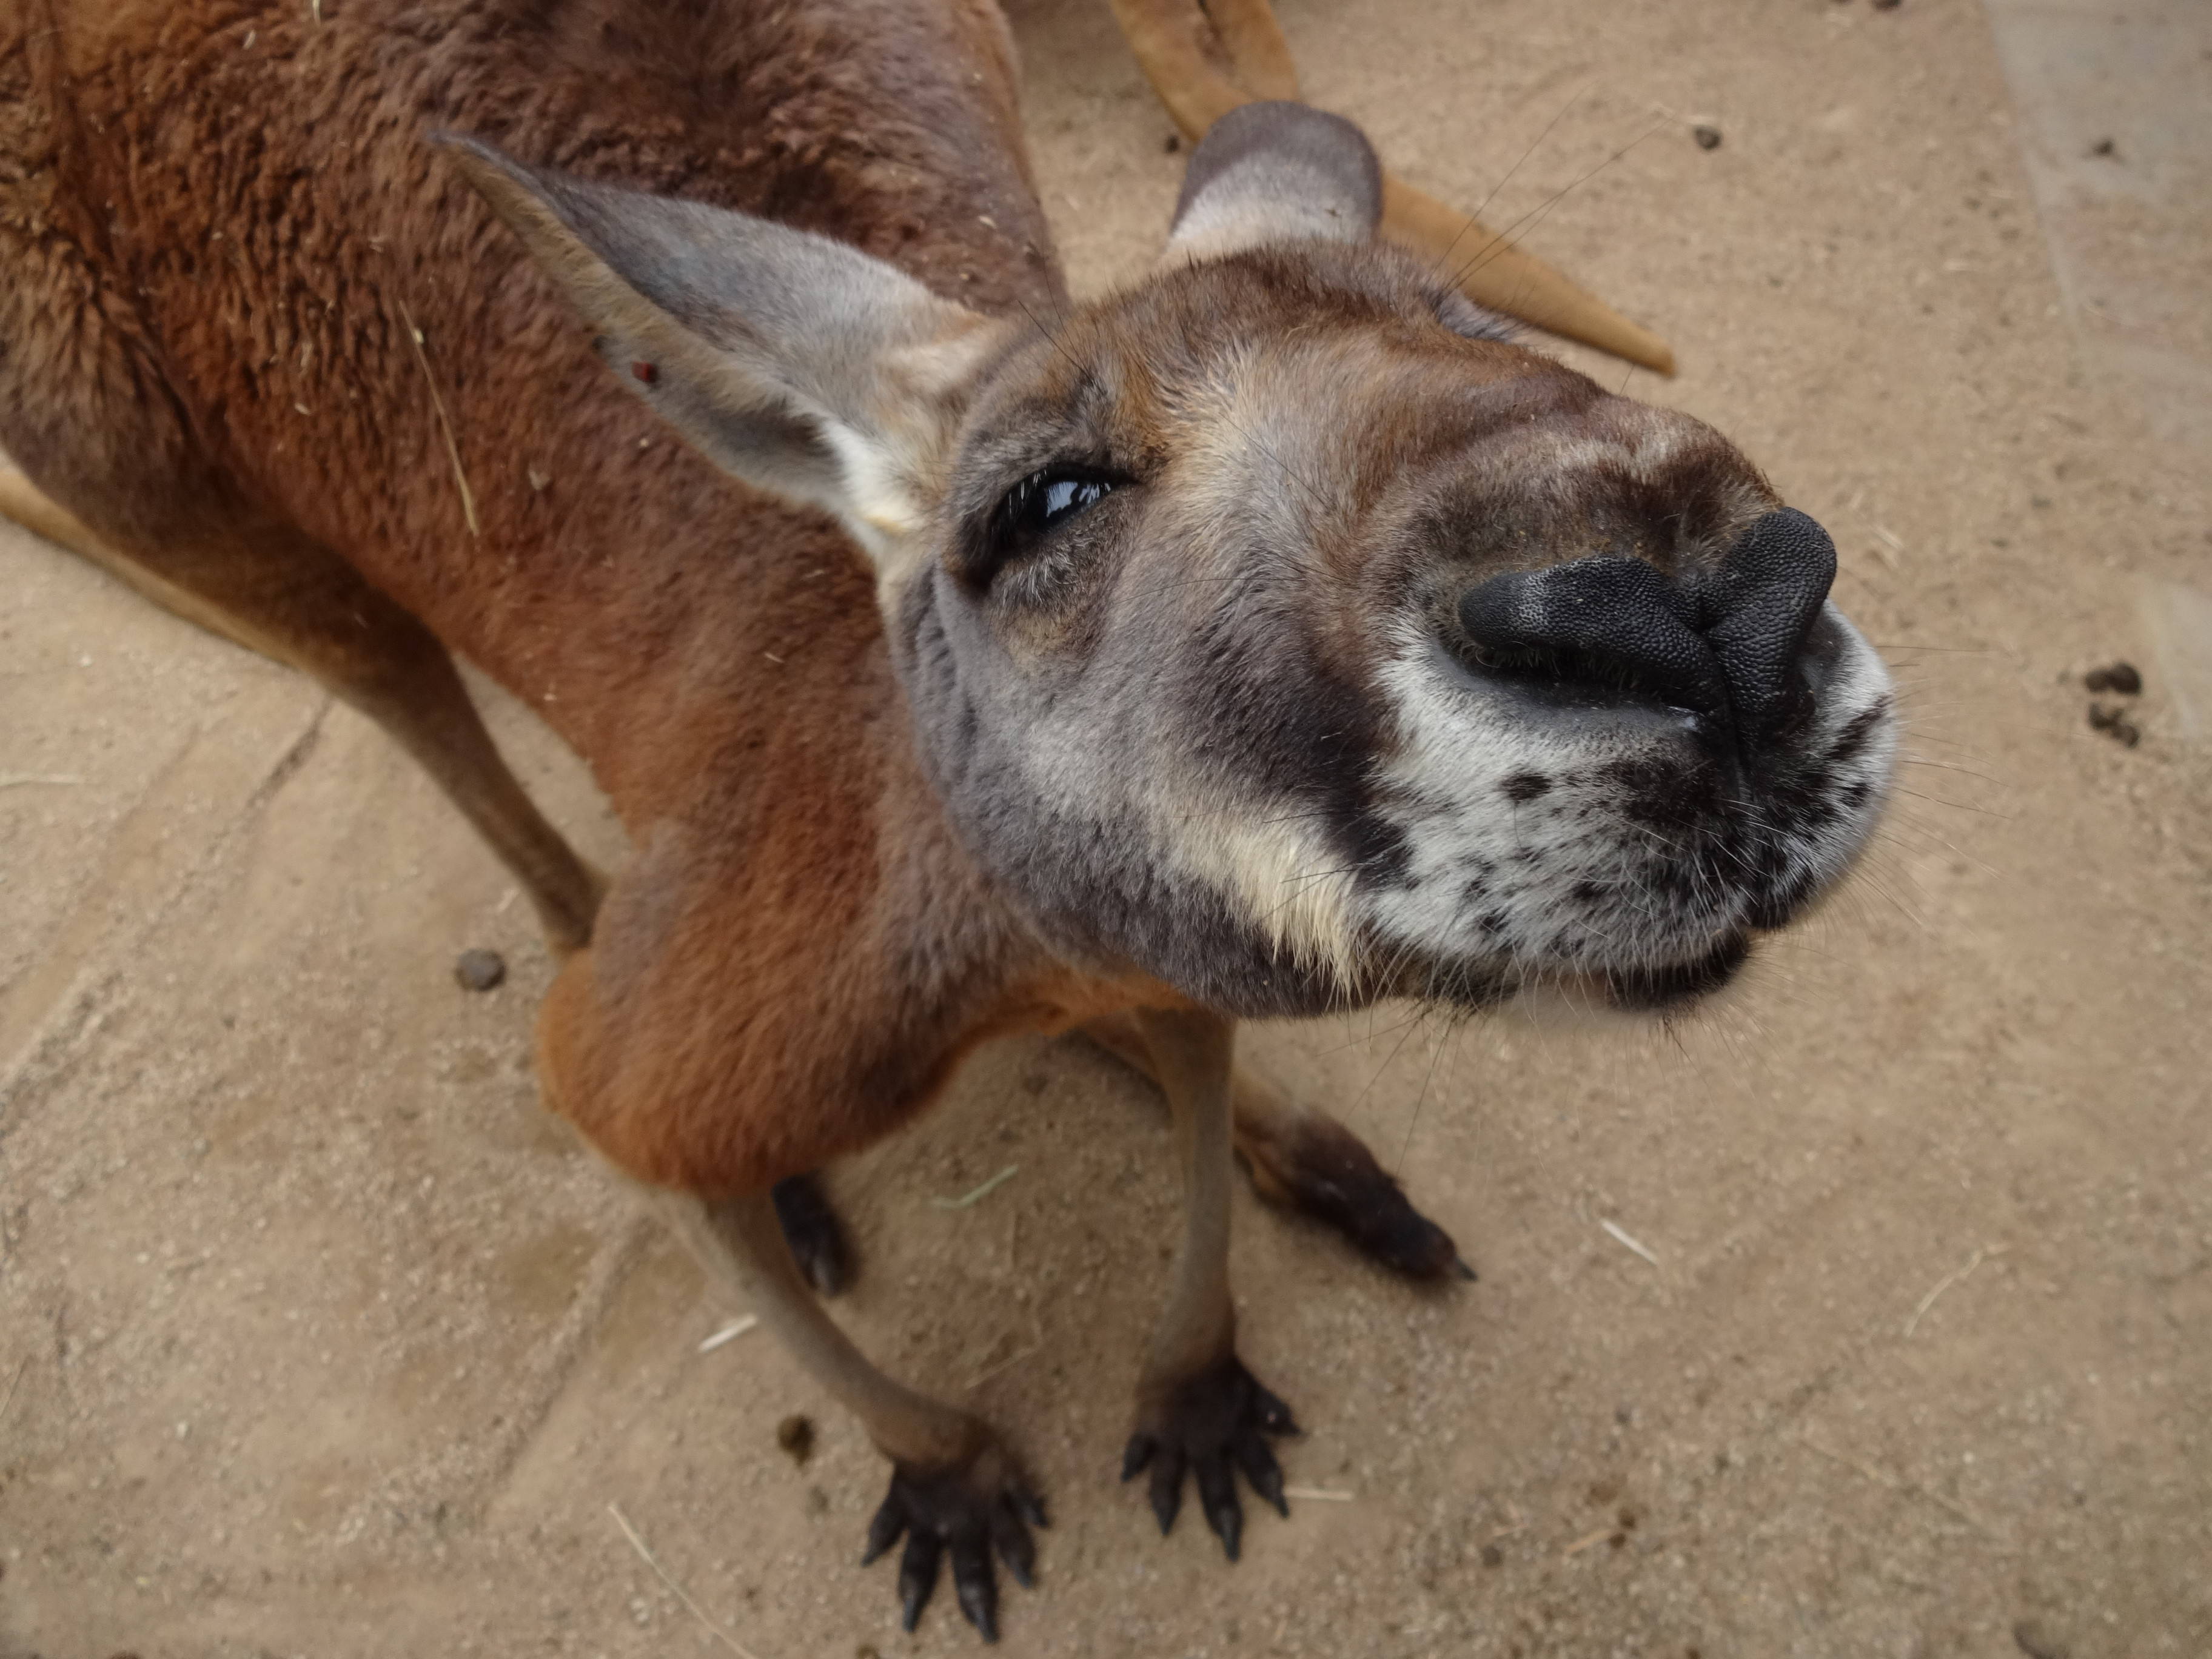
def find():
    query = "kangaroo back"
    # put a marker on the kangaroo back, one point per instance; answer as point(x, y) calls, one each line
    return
point(248, 302)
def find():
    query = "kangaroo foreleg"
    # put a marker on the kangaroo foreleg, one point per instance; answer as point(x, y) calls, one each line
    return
point(954, 1489)
point(283, 595)
point(1198, 1408)
point(1301, 1158)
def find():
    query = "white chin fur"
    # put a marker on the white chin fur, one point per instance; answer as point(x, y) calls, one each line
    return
point(1504, 881)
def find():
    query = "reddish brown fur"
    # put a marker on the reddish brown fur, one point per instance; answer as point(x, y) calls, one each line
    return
point(224, 226)
point(218, 213)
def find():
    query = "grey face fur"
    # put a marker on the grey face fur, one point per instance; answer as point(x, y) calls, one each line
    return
point(1174, 590)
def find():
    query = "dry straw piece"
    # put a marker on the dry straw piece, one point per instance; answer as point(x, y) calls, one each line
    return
point(712, 1628)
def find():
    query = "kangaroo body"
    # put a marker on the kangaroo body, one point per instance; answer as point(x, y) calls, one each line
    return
point(1272, 637)
point(230, 233)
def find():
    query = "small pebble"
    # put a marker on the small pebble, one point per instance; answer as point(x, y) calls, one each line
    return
point(2106, 148)
point(1707, 138)
point(1492, 1555)
point(479, 970)
point(1174, 143)
point(795, 1435)
point(2114, 723)
point(2122, 677)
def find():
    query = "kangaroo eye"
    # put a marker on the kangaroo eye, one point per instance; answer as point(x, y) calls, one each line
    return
point(1041, 504)
point(1046, 500)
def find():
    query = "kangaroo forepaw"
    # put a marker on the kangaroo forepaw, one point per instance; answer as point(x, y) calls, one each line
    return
point(1210, 1425)
point(1317, 1166)
point(969, 1512)
point(1380, 1222)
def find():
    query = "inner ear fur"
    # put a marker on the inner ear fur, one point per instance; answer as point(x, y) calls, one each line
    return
point(1276, 172)
point(797, 362)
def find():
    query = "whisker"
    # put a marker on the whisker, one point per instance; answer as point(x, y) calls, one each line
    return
point(1306, 876)
point(1371, 1033)
point(1421, 1014)
point(1948, 650)
point(1955, 805)
point(1419, 1101)
point(1952, 766)
point(1483, 206)
point(1506, 240)
point(1920, 734)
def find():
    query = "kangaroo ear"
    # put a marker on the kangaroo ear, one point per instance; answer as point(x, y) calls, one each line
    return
point(1276, 172)
point(796, 363)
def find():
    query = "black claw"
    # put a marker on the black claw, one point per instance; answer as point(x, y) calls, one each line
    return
point(1212, 1424)
point(1012, 1540)
point(958, 1511)
point(981, 1613)
point(1228, 1525)
point(1167, 1488)
point(1217, 1492)
point(883, 1531)
point(1261, 1469)
point(917, 1575)
point(1459, 1267)
point(971, 1583)
point(1135, 1455)
point(812, 1230)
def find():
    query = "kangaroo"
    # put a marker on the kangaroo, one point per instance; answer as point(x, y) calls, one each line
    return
point(1276, 635)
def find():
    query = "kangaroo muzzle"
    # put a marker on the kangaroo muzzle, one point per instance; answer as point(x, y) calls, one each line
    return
point(1726, 644)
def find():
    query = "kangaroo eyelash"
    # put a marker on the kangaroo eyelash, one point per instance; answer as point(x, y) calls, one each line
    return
point(1035, 509)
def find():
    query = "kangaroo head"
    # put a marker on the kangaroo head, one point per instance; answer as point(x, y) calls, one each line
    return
point(1279, 627)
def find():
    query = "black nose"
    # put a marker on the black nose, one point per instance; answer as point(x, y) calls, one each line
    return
point(1724, 643)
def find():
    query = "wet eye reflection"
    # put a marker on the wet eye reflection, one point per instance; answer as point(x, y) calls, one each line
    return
point(1046, 500)
point(1041, 504)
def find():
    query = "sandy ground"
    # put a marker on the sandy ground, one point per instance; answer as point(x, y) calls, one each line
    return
point(316, 1339)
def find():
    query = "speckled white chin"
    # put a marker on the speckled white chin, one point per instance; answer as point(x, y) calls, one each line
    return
point(1522, 855)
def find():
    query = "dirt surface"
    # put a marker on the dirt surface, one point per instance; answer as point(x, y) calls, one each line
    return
point(316, 1339)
